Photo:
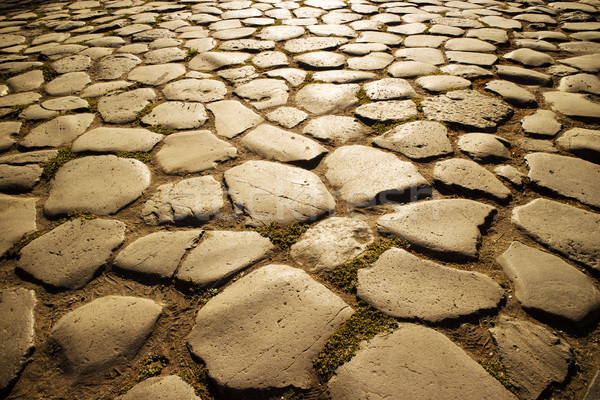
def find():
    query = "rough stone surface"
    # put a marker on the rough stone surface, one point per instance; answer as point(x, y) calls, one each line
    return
point(335, 129)
point(417, 140)
point(233, 118)
point(573, 104)
point(512, 93)
point(327, 99)
point(59, 131)
point(161, 387)
point(177, 115)
point(583, 142)
point(120, 108)
point(18, 218)
point(201, 90)
point(264, 93)
point(106, 139)
point(484, 147)
point(542, 123)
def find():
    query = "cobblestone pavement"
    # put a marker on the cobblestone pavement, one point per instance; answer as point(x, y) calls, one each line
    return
point(316, 199)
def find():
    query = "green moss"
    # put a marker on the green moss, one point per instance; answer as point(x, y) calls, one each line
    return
point(137, 155)
point(345, 277)
point(362, 97)
point(163, 130)
point(380, 128)
point(191, 53)
point(283, 236)
point(92, 105)
point(17, 110)
point(365, 323)
point(145, 111)
point(50, 167)
point(49, 72)
point(198, 294)
point(158, 19)
point(196, 375)
point(418, 101)
point(152, 366)
point(496, 369)
point(110, 33)
point(16, 248)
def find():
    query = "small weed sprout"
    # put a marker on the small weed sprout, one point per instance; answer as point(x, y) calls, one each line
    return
point(283, 236)
point(497, 369)
point(137, 155)
point(191, 53)
point(51, 166)
point(196, 375)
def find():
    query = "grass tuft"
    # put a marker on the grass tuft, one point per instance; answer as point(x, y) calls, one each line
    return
point(196, 375)
point(363, 98)
point(163, 130)
point(92, 105)
point(379, 128)
point(49, 72)
point(152, 366)
point(50, 167)
point(497, 369)
point(191, 53)
point(283, 236)
point(137, 155)
point(145, 111)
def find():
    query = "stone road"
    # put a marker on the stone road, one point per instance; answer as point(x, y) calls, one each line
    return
point(146, 145)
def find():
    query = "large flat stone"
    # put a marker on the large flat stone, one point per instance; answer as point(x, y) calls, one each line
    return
point(202, 90)
point(177, 115)
point(59, 131)
point(573, 104)
point(387, 111)
point(327, 98)
point(417, 140)
point(161, 387)
point(583, 142)
point(17, 219)
point(114, 67)
point(264, 93)
point(263, 331)
point(106, 140)
point(334, 129)
point(120, 108)
point(156, 75)
point(484, 147)
point(233, 118)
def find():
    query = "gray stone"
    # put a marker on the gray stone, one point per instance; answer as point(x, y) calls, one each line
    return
point(411, 69)
point(535, 357)
point(371, 62)
point(99, 184)
point(580, 83)
point(250, 45)
point(67, 84)
point(156, 75)
point(418, 362)
point(511, 93)
point(484, 147)
point(18, 99)
point(107, 140)
point(270, 59)
point(365, 176)
point(194, 151)
point(331, 243)
point(524, 76)
point(31, 80)
point(588, 63)
point(343, 76)
point(7, 40)
point(540, 45)
point(468, 108)
point(417, 140)
point(449, 229)
point(567, 176)
point(280, 33)
point(466, 57)
point(535, 18)
point(288, 117)
point(194, 200)
point(151, 35)
point(445, 30)
point(327, 98)
point(283, 312)
point(470, 72)
point(120, 108)
point(442, 83)
point(70, 255)
point(405, 286)
point(100, 89)
point(264, 93)
point(177, 115)
point(433, 41)
point(119, 323)
point(67, 103)
point(273, 143)
point(492, 35)
point(546, 284)
point(270, 192)
point(233, 118)
point(541, 145)
point(583, 142)
point(313, 43)
point(335, 129)
point(361, 49)
point(321, 60)
point(18, 219)
point(17, 331)
point(571, 231)
point(293, 76)
point(222, 254)
point(458, 22)
point(74, 63)
point(510, 173)
point(19, 178)
point(424, 55)
point(469, 44)
point(161, 387)
point(59, 131)
point(29, 157)
point(580, 48)
point(383, 111)
point(541, 123)
point(164, 55)
point(8, 132)
point(530, 58)
point(157, 254)
point(379, 37)
point(389, 88)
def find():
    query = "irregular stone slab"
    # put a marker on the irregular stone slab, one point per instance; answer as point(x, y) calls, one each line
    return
point(59, 131)
point(541, 123)
point(264, 93)
point(512, 93)
point(107, 140)
point(222, 254)
point(276, 144)
point(321, 60)
point(120, 108)
point(19, 178)
point(530, 58)
point(366, 176)
point(411, 69)
point(334, 129)
point(280, 33)
point(233, 118)
point(462, 175)
point(496, 36)
point(270, 59)
point(331, 243)
point(580, 83)
point(535, 357)
point(213, 60)
point(469, 44)
point(524, 76)
point(314, 43)
point(379, 37)
point(18, 99)
point(389, 88)
point(201, 90)
point(343, 76)
point(468, 108)
point(361, 49)
point(18, 219)
point(250, 45)
point(546, 284)
point(100, 89)
point(371, 62)
point(442, 83)
point(433, 41)
point(285, 314)
point(119, 323)
point(405, 286)
point(114, 66)
point(571, 231)
point(67, 103)
point(484, 147)
point(383, 111)
point(573, 104)
point(293, 76)
point(588, 63)
point(193, 200)
point(327, 98)
point(583, 142)
point(270, 192)
point(157, 254)
point(450, 228)
point(31, 80)
point(195, 151)
point(8, 132)
point(568, 176)
point(177, 115)
point(424, 55)
point(470, 72)
point(417, 140)
point(156, 75)
point(99, 184)
point(510, 173)
point(165, 55)
point(67, 84)
point(417, 362)
point(161, 387)
point(70, 255)
point(17, 324)
point(288, 117)
point(466, 57)
point(29, 157)
point(7, 40)
point(76, 63)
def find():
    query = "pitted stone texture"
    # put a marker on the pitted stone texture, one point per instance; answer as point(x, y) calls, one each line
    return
point(222, 254)
point(288, 117)
point(583, 142)
point(177, 115)
point(280, 33)
point(335, 129)
point(114, 67)
point(321, 60)
point(313, 43)
point(383, 111)
point(470, 72)
point(270, 192)
point(58, 132)
point(31, 80)
point(164, 55)
point(469, 44)
point(76, 63)
point(120, 108)
point(193, 151)
point(70, 255)
point(17, 219)
point(105, 332)
point(327, 98)
point(107, 140)
point(18, 99)
point(588, 63)
point(580, 83)
point(442, 83)
point(568, 176)
point(450, 229)
point(331, 243)
point(159, 388)
point(541, 123)
point(274, 143)
point(371, 62)
point(424, 55)
point(214, 60)
point(264, 93)
point(19, 178)
point(17, 323)
point(99, 184)
point(202, 90)
point(157, 254)
point(67, 84)
point(573, 104)
point(468, 108)
point(405, 286)
point(512, 93)
point(233, 118)
point(418, 362)
point(389, 88)
point(571, 231)
point(535, 357)
point(102, 88)
point(417, 140)
point(484, 147)
point(156, 75)
point(366, 176)
point(545, 283)
point(283, 312)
